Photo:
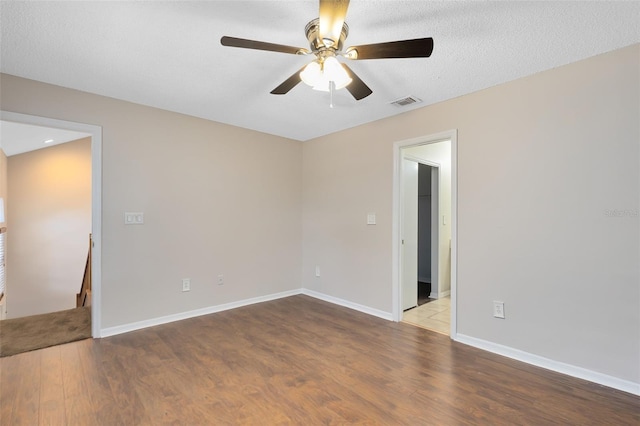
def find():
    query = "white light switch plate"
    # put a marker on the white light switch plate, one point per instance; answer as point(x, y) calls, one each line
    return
point(133, 218)
point(371, 219)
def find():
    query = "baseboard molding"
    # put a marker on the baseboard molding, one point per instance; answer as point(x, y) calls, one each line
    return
point(347, 304)
point(549, 364)
point(434, 295)
point(125, 328)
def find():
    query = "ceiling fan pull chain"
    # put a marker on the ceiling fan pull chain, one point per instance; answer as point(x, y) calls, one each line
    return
point(332, 86)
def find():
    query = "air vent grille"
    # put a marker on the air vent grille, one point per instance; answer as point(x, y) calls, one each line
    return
point(406, 101)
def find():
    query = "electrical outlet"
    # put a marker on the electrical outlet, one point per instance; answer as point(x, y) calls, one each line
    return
point(498, 309)
point(186, 284)
point(220, 279)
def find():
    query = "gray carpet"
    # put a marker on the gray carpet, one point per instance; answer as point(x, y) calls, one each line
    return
point(19, 335)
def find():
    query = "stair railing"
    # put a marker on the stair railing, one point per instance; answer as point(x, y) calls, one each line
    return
point(84, 297)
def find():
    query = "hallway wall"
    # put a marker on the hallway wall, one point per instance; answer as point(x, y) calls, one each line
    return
point(50, 226)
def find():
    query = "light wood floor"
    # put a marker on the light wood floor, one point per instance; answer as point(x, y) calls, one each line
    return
point(293, 361)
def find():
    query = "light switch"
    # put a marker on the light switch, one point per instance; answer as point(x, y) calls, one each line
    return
point(371, 219)
point(133, 218)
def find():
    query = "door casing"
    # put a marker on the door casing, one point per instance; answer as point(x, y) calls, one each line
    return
point(96, 200)
point(396, 267)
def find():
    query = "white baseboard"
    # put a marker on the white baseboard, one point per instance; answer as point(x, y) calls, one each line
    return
point(549, 364)
point(347, 304)
point(125, 328)
point(434, 295)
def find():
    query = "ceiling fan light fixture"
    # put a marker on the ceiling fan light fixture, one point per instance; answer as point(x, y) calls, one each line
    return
point(334, 71)
point(312, 73)
point(326, 36)
point(319, 75)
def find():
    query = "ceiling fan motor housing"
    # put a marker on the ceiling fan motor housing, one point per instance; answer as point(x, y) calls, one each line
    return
point(312, 31)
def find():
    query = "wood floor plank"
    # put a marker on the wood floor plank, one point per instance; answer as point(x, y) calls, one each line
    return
point(101, 398)
point(9, 377)
point(26, 405)
point(52, 407)
point(78, 407)
point(295, 361)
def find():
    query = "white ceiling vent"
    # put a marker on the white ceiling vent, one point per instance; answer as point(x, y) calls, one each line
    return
point(406, 101)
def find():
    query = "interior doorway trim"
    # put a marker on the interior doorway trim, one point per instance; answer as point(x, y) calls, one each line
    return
point(450, 135)
point(96, 200)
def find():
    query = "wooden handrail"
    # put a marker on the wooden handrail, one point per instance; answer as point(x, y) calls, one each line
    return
point(84, 297)
point(2, 231)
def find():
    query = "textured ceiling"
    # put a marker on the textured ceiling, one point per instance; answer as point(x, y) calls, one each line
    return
point(17, 138)
point(168, 54)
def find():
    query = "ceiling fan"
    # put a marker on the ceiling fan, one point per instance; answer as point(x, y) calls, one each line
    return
point(326, 36)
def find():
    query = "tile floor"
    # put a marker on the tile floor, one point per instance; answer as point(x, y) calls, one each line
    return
point(434, 315)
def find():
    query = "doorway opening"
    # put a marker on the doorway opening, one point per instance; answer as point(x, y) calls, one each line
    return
point(424, 232)
point(95, 135)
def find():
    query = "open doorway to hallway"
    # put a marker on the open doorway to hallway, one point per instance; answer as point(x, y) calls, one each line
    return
point(425, 229)
point(49, 214)
point(48, 178)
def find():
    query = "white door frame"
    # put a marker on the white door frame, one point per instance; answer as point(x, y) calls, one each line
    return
point(451, 135)
point(96, 200)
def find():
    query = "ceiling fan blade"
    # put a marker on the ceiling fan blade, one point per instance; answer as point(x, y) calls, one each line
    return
point(288, 84)
point(416, 48)
point(261, 45)
point(332, 16)
point(357, 88)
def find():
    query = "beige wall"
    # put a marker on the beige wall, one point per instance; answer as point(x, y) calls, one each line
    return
point(51, 221)
point(540, 161)
point(217, 199)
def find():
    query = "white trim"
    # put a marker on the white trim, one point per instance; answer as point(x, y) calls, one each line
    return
point(450, 135)
point(549, 364)
point(96, 200)
point(434, 295)
point(422, 161)
point(125, 328)
point(453, 290)
point(347, 304)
